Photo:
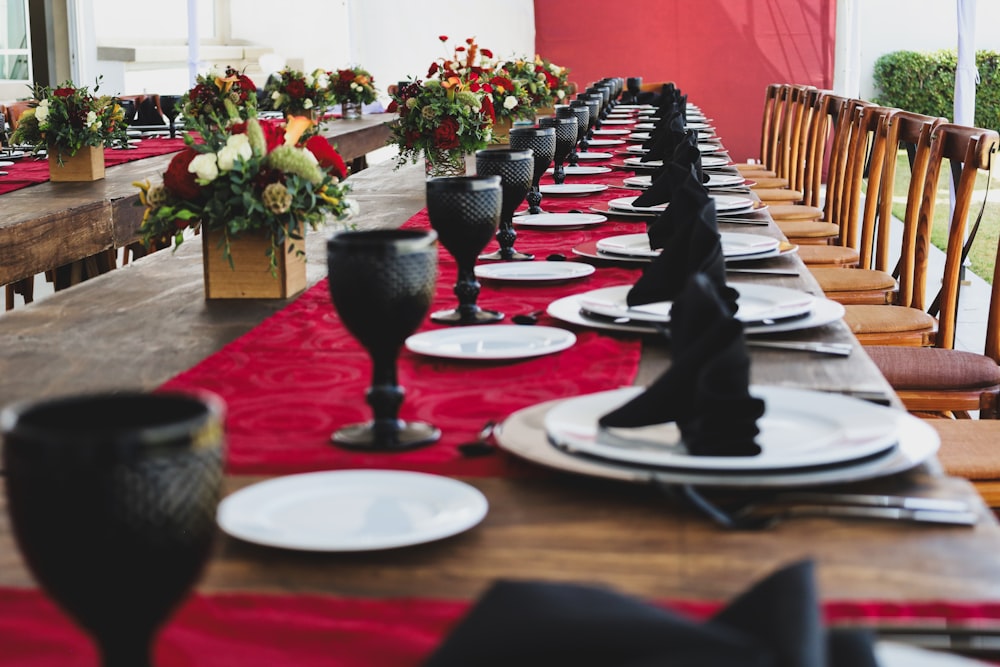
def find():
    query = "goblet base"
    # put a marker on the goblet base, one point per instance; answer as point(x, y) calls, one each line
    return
point(516, 257)
point(455, 317)
point(409, 436)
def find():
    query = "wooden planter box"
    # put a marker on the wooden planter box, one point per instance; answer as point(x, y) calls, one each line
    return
point(86, 165)
point(249, 276)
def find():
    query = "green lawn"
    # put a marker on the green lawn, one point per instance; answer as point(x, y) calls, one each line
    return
point(982, 256)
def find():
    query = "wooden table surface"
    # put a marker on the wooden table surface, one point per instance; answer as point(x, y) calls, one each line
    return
point(51, 224)
point(138, 326)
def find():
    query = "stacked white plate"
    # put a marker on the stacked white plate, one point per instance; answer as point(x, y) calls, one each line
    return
point(730, 204)
point(714, 181)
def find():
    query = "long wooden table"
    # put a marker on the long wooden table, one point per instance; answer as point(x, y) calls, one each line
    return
point(139, 326)
point(52, 224)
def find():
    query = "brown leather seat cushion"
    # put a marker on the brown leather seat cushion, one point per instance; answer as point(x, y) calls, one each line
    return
point(864, 318)
point(838, 255)
point(806, 229)
point(933, 368)
point(755, 168)
point(852, 280)
point(778, 194)
point(970, 448)
point(794, 212)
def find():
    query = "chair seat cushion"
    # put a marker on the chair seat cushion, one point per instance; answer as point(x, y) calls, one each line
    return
point(933, 367)
point(755, 168)
point(762, 181)
point(872, 319)
point(851, 280)
point(806, 229)
point(794, 212)
point(969, 447)
point(778, 194)
point(837, 255)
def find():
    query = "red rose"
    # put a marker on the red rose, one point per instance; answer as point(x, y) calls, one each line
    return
point(446, 134)
point(412, 137)
point(488, 109)
point(296, 89)
point(274, 133)
point(486, 52)
point(393, 107)
point(443, 38)
point(326, 155)
point(432, 69)
point(63, 92)
point(247, 87)
point(178, 180)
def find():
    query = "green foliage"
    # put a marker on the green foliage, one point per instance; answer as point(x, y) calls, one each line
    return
point(925, 83)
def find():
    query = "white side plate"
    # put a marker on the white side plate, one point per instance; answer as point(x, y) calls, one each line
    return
point(491, 342)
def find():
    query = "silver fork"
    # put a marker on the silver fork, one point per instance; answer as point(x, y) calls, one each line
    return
point(835, 349)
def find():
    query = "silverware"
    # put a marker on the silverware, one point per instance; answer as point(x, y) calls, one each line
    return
point(874, 500)
point(835, 349)
point(765, 272)
point(744, 221)
point(773, 516)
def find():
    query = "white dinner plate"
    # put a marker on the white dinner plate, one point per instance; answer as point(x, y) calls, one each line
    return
point(713, 161)
point(755, 303)
point(559, 220)
point(582, 170)
point(569, 309)
point(636, 162)
point(593, 155)
point(711, 148)
point(571, 189)
point(351, 510)
point(606, 142)
point(697, 125)
point(714, 181)
point(6, 163)
point(611, 132)
point(723, 204)
point(617, 121)
point(533, 271)
point(799, 429)
point(639, 150)
point(523, 434)
point(734, 244)
point(639, 136)
point(491, 342)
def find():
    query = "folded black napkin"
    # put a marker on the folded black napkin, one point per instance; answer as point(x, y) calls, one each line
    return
point(687, 155)
point(776, 623)
point(687, 234)
point(663, 140)
point(705, 390)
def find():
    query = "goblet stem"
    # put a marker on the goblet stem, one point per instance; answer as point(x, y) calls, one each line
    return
point(559, 173)
point(467, 290)
point(534, 201)
point(385, 398)
point(127, 649)
point(574, 157)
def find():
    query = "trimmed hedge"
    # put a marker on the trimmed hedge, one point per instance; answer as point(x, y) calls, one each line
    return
point(925, 83)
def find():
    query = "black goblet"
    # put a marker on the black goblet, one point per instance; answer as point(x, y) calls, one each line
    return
point(382, 284)
point(515, 169)
point(113, 498)
point(634, 86)
point(565, 140)
point(128, 111)
point(465, 212)
point(599, 98)
point(581, 112)
point(594, 109)
point(169, 105)
point(541, 141)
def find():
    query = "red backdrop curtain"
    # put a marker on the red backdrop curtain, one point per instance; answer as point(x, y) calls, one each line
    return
point(723, 53)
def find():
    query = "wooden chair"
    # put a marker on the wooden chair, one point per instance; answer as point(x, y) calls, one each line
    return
point(971, 449)
point(14, 111)
point(939, 378)
point(794, 102)
point(768, 136)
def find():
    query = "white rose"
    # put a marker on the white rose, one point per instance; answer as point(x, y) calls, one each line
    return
point(560, 94)
point(275, 96)
point(91, 118)
point(42, 111)
point(308, 78)
point(307, 103)
point(237, 146)
point(509, 102)
point(323, 80)
point(205, 166)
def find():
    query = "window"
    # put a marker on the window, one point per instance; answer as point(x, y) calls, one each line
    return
point(15, 47)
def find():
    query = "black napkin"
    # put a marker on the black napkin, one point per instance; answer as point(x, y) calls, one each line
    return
point(688, 235)
point(539, 624)
point(687, 155)
point(705, 390)
point(663, 139)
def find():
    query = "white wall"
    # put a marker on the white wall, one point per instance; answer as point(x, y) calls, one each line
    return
point(912, 25)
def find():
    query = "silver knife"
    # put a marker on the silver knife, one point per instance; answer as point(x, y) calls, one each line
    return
point(889, 513)
point(875, 500)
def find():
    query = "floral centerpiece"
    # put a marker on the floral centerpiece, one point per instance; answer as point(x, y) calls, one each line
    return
point(558, 78)
point(543, 86)
point(441, 120)
point(299, 94)
point(258, 177)
point(221, 98)
point(68, 119)
point(352, 87)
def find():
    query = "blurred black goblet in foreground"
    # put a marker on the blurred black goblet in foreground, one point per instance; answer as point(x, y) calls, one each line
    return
point(565, 140)
point(541, 141)
point(382, 284)
point(515, 170)
point(113, 499)
point(465, 212)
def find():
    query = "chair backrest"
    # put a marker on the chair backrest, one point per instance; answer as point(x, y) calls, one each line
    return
point(798, 173)
point(843, 125)
point(866, 150)
point(968, 149)
point(770, 121)
point(824, 117)
point(15, 109)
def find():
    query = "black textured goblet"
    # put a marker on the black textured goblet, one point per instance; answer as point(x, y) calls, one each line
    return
point(382, 284)
point(112, 498)
point(634, 86)
point(169, 105)
point(581, 112)
point(565, 140)
point(597, 97)
point(541, 141)
point(594, 109)
point(465, 212)
point(515, 169)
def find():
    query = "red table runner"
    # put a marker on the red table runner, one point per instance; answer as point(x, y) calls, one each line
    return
point(257, 630)
point(31, 171)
